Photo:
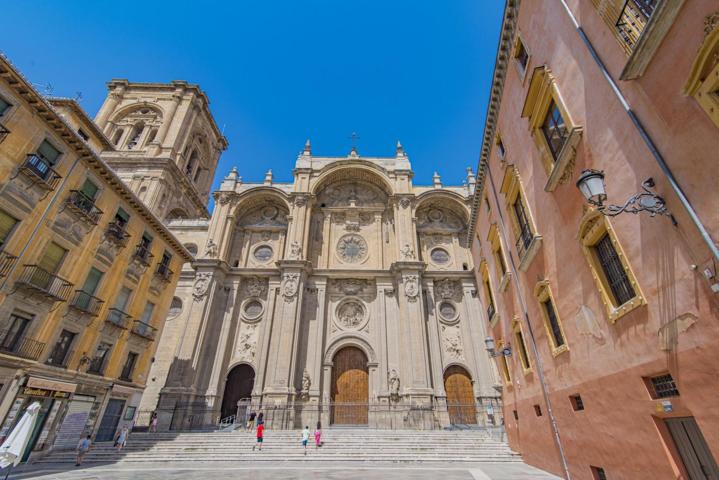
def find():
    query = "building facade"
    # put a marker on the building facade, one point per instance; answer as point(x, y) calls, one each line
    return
point(610, 317)
point(346, 296)
point(87, 273)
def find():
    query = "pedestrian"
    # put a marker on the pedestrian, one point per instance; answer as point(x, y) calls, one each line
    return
point(122, 438)
point(82, 449)
point(251, 421)
point(318, 435)
point(260, 436)
point(153, 422)
point(260, 418)
point(305, 437)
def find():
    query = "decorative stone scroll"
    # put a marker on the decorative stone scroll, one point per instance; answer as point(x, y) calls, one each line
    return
point(411, 287)
point(202, 284)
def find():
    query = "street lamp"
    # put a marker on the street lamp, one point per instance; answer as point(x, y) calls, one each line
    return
point(591, 184)
point(489, 344)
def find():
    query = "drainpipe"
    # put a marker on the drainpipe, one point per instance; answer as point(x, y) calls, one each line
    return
point(535, 349)
point(645, 136)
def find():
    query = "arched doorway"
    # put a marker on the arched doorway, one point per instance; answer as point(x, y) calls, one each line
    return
point(350, 387)
point(239, 385)
point(460, 396)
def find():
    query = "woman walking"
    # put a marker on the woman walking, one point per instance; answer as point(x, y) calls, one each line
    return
point(318, 435)
point(122, 438)
point(153, 422)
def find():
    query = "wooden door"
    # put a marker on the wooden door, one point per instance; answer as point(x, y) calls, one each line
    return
point(460, 396)
point(693, 449)
point(240, 382)
point(350, 387)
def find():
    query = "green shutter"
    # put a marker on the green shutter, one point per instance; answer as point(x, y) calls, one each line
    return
point(7, 223)
point(52, 258)
point(92, 280)
point(48, 152)
point(147, 313)
point(122, 299)
point(89, 189)
point(122, 215)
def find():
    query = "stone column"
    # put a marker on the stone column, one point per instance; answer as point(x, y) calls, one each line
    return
point(263, 340)
point(167, 120)
point(435, 343)
point(486, 370)
point(316, 347)
point(109, 107)
point(404, 227)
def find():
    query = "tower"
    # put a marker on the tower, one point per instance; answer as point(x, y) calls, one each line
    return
point(166, 144)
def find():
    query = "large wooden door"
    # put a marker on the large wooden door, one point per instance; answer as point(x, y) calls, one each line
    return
point(240, 382)
point(460, 396)
point(350, 387)
point(693, 449)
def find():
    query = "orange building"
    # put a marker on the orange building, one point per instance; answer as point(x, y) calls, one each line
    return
point(603, 321)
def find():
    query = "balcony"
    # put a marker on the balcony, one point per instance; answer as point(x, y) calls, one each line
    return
point(118, 318)
point(144, 330)
point(20, 346)
point(40, 171)
point(4, 132)
point(6, 263)
point(143, 255)
point(116, 233)
point(45, 283)
point(86, 303)
point(84, 206)
point(56, 358)
point(633, 18)
point(163, 272)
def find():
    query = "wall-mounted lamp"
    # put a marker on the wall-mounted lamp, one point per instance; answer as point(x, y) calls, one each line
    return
point(489, 344)
point(591, 184)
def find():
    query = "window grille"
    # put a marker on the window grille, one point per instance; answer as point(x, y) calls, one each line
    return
point(664, 386)
point(525, 232)
point(614, 271)
point(554, 324)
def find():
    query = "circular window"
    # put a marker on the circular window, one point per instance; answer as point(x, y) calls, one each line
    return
point(440, 256)
point(352, 248)
point(447, 311)
point(269, 213)
point(252, 309)
point(263, 253)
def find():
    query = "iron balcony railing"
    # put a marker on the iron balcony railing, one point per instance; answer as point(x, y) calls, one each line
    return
point(86, 303)
point(20, 345)
point(633, 18)
point(97, 366)
point(142, 253)
point(163, 271)
point(84, 205)
point(118, 318)
point(144, 330)
point(60, 357)
point(4, 132)
point(46, 283)
point(116, 233)
point(41, 168)
point(6, 263)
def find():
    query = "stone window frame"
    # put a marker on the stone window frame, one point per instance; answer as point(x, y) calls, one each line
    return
point(514, 192)
point(543, 292)
point(499, 256)
point(593, 227)
point(541, 93)
point(517, 330)
point(499, 142)
point(504, 370)
point(488, 293)
point(519, 42)
point(252, 319)
point(261, 245)
point(703, 82)
point(448, 321)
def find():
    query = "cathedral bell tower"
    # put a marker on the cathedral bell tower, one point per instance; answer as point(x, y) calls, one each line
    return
point(166, 144)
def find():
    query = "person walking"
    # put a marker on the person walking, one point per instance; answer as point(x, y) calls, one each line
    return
point(260, 418)
point(82, 448)
point(153, 422)
point(251, 421)
point(318, 435)
point(305, 437)
point(122, 438)
point(260, 435)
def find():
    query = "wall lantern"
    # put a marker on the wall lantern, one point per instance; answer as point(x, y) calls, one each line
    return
point(591, 184)
point(489, 344)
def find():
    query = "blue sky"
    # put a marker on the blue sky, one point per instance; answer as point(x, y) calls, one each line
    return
point(278, 72)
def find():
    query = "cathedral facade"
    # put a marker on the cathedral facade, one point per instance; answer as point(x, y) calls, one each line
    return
point(346, 296)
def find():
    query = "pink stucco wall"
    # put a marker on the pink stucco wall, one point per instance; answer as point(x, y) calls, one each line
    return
point(619, 429)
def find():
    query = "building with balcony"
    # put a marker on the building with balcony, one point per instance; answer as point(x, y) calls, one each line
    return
point(604, 322)
point(87, 272)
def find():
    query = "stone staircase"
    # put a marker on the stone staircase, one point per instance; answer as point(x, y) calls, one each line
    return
point(339, 445)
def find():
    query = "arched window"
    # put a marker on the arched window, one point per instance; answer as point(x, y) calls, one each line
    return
point(117, 136)
point(151, 136)
point(135, 135)
point(191, 163)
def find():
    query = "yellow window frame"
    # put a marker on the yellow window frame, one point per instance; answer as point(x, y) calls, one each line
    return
point(488, 293)
point(499, 258)
point(703, 83)
point(504, 365)
point(514, 192)
point(543, 293)
point(519, 340)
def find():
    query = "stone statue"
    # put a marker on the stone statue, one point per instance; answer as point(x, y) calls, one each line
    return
point(306, 382)
point(407, 252)
point(295, 250)
point(393, 380)
point(211, 249)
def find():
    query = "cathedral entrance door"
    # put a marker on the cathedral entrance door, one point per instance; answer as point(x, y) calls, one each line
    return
point(239, 385)
point(460, 396)
point(350, 387)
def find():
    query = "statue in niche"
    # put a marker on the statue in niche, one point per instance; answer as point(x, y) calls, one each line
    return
point(211, 249)
point(407, 252)
point(295, 250)
point(306, 382)
point(393, 381)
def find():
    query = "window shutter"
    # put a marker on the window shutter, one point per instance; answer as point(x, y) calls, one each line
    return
point(89, 189)
point(52, 258)
point(122, 298)
point(48, 152)
point(7, 223)
point(122, 215)
point(92, 280)
point(147, 313)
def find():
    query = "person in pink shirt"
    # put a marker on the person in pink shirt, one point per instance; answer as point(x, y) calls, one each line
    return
point(318, 435)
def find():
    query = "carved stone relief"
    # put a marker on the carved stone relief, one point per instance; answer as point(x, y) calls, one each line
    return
point(202, 284)
point(411, 287)
point(352, 248)
point(351, 315)
point(290, 285)
point(247, 343)
point(452, 342)
point(350, 286)
point(255, 287)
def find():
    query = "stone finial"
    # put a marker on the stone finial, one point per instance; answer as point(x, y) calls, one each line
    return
point(232, 175)
point(268, 177)
point(400, 149)
point(436, 180)
point(353, 152)
point(308, 148)
point(471, 180)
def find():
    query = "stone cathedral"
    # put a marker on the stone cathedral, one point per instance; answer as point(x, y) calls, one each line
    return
point(346, 296)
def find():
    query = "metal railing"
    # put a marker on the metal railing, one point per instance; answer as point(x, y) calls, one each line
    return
point(4, 132)
point(163, 272)
point(20, 345)
point(634, 16)
point(6, 263)
point(85, 206)
point(116, 233)
point(41, 168)
point(47, 283)
point(142, 253)
point(86, 303)
point(118, 318)
point(144, 330)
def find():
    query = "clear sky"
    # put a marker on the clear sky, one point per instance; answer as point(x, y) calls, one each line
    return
point(280, 71)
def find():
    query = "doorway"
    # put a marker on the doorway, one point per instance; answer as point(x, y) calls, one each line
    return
point(110, 419)
point(240, 382)
point(693, 449)
point(350, 387)
point(460, 396)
